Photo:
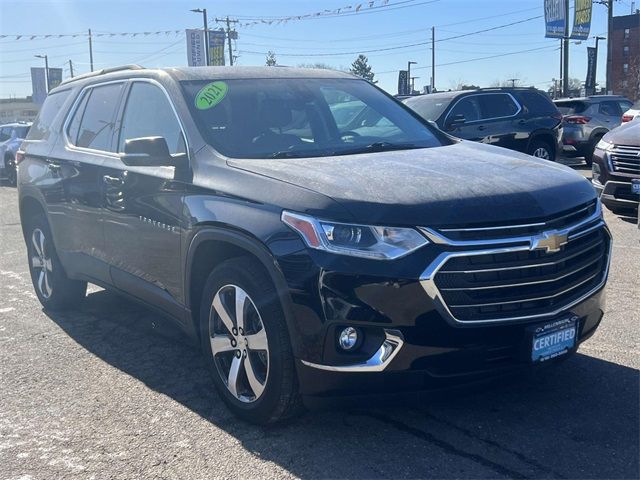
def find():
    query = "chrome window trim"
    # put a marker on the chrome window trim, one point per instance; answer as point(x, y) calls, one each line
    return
point(379, 361)
point(83, 92)
point(517, 103)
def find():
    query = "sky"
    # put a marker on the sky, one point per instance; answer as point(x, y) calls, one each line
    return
point(328, 39)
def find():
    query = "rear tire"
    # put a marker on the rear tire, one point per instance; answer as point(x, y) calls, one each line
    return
point(54, 289)
point(542, 149)
point(588, 156)
point(249, 355)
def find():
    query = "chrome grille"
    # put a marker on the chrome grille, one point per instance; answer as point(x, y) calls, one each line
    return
point(497, 231)
point(625, 159)
point(520, 277)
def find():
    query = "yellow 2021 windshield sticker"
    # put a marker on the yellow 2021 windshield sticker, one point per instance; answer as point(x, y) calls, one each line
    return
point(211, 95)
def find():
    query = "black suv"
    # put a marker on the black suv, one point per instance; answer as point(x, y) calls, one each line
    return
point(616, 167)
point(522, 119)
point(309, 261)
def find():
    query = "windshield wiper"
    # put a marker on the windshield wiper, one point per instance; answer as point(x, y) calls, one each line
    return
point(284, 154)
point(378, 147)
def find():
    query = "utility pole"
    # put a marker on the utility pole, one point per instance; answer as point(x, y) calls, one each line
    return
point(71, 68)
point(46, 69)
point(90, 52)
point(609, 44)
point(413, 83)
point(565, 78)
point(203, 11)
point(228, 21)
point(513, 81)
point(595, 65)
point(409, 76)
point(433, 59)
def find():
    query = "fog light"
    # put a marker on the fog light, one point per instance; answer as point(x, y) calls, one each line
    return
point(348, 338)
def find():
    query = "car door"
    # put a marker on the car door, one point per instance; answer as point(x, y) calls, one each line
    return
point(610, 114)
point(498, 119)
point(143, 205)
point(85, 143)
point(464, 119)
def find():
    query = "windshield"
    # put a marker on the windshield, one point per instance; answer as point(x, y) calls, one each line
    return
point(429, 107)
point(302, 117)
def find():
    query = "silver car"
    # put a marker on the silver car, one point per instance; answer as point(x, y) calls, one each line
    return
point(11, 136)
point(587, 119)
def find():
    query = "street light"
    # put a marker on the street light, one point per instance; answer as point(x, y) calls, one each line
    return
point(409, 76)
point(46, 69)
point(203, 11)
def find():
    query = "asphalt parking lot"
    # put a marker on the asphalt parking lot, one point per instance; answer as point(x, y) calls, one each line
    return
point(113, 391)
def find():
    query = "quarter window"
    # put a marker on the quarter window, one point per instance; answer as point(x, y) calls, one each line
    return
point(95, 118)
point(149, 114)
point(50, 109)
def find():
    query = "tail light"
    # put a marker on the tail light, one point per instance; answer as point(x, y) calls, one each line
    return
point(578, 119)
point(19, 156)
point(627, 118)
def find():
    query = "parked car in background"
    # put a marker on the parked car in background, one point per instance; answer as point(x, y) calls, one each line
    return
point(11, 136)
point(632, 114)
point(522, 119)
point(310, 258)
point(587, 119)
point(616, 167)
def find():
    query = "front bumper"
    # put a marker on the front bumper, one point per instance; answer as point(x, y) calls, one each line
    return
point(411, 341)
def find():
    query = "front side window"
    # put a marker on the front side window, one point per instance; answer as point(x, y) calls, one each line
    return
point(468, 109)
point(302, 117)
point(92, 123)
point(148, 113)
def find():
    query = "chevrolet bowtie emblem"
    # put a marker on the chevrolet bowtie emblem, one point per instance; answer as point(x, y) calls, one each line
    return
point(550, 242)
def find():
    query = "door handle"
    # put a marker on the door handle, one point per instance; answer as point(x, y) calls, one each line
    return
point(482, 127)
point(53, 165)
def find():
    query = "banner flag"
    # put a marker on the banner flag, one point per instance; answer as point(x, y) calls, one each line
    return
point(582, 19)
point(216, 47)
point(554, 18)
point(403, 82)
point(195, 48)
point(590, 83)
point(39, 82)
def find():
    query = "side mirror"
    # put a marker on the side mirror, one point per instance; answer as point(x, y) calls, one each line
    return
point(455, 121)
point(148, 152)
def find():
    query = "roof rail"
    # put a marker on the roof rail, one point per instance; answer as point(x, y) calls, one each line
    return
point(102, 72)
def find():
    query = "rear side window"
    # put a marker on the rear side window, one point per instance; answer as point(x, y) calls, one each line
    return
point(149, 114)
point(5, 134)
point(41, 128)
point(95, 127)
point(497, 105)
point(537, 103)
point(610, 109)
point(571, 108)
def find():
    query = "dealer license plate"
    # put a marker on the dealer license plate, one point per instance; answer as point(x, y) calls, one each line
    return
point(550, 340)
point(635, 186)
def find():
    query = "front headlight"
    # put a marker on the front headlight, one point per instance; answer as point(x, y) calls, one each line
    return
point(381, 243)
point(603, 145)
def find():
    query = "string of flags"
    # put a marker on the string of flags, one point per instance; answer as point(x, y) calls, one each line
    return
point(355, 8)
point(348, 9)
point(93, 34)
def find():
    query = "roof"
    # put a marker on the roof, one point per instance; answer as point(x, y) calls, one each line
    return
point(206, 73)
point(591, 98)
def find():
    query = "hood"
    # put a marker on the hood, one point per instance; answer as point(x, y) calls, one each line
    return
point(626, 134)
point(465, 183)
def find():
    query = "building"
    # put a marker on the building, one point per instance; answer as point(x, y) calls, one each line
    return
point(625, 55)
point(17, 110)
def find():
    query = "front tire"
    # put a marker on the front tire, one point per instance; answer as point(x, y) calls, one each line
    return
point(54, 289)
point(246, 343)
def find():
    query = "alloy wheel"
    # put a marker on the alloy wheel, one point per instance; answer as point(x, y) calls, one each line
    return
point(541, 152)
point(239, 343)
point(41, 263)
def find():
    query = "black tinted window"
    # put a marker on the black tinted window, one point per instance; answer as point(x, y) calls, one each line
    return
point(468, 107)
point(148, 113)
point(572, 107)
point(74, 125)
point(5, 134)
point(96, 126)
point(429, 107)
point(497, 105)
point(536, 103)
point(50, 109)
